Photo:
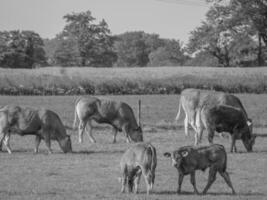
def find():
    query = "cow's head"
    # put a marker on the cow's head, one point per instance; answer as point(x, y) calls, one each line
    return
point(65, 144)
point(246, 136)
point(136, 135)
point(249, 142)
point(176, 157)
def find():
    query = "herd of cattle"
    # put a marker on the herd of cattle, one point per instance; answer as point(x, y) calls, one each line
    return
point(210, 110)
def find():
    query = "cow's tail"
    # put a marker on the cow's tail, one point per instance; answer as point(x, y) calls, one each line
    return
point(225, 162)
point(153, 156)
point(179, 110)
point(75, 113)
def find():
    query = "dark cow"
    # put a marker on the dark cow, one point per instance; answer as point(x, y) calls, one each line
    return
point(139, 159)
point(118, 114)
point(222, 118)
point(192, 99)
point(44, 124)
point(188, 159)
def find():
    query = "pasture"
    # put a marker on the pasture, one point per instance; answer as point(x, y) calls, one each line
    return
point(91, 171)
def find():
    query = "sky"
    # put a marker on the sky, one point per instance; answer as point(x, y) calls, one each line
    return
point(173, 19)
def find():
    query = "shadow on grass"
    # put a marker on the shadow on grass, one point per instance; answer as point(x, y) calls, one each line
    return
point(209, 193)
point(100, 152)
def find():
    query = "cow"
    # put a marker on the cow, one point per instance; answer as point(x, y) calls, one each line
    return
point(188, 159)
point(139, 159)
point(223, 118)
point(44, 124)
point(191, 99)
point(117, 114)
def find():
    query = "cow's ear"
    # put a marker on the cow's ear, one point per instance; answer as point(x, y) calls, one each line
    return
point(184, 153)
point(249, 122)
point(167, 154)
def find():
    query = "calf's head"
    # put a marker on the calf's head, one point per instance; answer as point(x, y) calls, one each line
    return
point(136, 135)
point(65, 144)
point(176, 157)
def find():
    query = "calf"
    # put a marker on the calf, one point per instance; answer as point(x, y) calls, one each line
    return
point(139, 159)
point(188, 159)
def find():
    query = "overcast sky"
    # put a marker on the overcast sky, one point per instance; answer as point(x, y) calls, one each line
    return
point(168, 18)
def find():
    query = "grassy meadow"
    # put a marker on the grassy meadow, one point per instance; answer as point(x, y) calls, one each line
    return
point(91, 171)
point(148, 80)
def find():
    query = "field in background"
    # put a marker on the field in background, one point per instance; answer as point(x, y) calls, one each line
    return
point(91, 172)
point(148, 80)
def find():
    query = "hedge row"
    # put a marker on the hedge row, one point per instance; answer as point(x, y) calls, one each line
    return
point(156, 86)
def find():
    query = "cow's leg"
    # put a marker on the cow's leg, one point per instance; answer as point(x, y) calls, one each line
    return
point(89, 131)
point(211, 179)
point(2, 136)
point(199, 129)
point(47, 139)
point(123, 180)
point(210, 135)
point(81, 130)
point(233, 146)
point(6, 142)
point(125, 130)
point(227, 179)
point(193, 181)
point(114, 132)
point(137, 180)
point(37, 143)
point(180, 181)
point(186, 125)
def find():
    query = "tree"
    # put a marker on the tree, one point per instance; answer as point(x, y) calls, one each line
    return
point(221, 35)
point(169, 54)
point(94, 41)
point(21, 49)
point(255, 14)
point(133, 48)
point(66, 52)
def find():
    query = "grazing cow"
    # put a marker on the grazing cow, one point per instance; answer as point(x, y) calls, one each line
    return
point(44, 124)
point(140, 159)
point(118, 114)
point(191, 99)
point(222, 118)
point(188, 159)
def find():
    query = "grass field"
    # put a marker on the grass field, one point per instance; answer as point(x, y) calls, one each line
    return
point(148, 80)
point(91, 171)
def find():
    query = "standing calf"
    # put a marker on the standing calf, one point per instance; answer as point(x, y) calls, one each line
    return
point(139, 159)
point(188, 159)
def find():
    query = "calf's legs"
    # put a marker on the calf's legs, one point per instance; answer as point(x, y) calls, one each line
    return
point(180, 181)
point(193, 181)
point(211, 179)
point(227, 179)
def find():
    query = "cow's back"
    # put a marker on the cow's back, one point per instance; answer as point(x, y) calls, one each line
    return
point(86, 107)
point(202, 157)
point(138, 154)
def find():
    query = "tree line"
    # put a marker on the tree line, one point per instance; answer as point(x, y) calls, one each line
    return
point(231, 35)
